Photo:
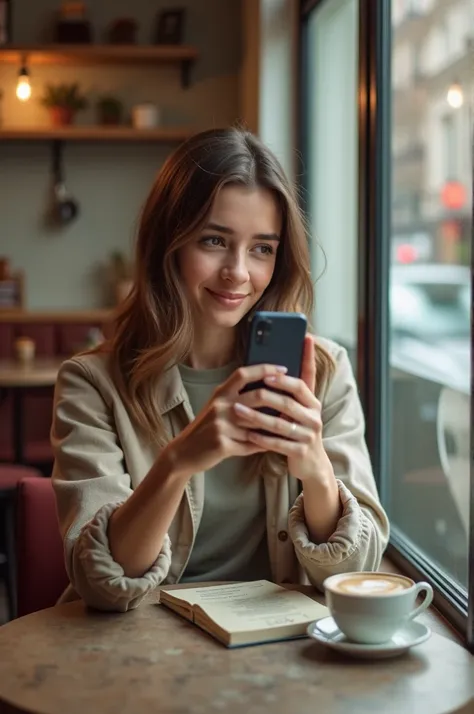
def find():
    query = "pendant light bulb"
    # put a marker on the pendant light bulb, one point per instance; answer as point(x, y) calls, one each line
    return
point(23, 87)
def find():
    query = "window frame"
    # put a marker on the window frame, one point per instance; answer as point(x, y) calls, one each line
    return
point(374, 241)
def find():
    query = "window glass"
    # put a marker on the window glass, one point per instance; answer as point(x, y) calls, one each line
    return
point(429, 291)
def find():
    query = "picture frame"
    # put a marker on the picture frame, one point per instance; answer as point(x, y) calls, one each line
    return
point(170, 27)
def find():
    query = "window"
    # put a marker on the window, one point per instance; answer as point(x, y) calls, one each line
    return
point(430, 343)
point(425, 380)
point(403, 233)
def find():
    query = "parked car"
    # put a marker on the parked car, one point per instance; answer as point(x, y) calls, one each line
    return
point(430, 322)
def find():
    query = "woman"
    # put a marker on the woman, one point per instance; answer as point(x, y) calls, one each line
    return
point(159, 473)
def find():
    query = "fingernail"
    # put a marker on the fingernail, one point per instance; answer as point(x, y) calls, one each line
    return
point(241, 408)
point(270, 378)
point(282, 369)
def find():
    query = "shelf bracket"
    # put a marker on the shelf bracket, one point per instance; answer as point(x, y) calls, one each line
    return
point(186, 73)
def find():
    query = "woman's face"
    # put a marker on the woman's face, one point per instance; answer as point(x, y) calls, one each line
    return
point(228, 266)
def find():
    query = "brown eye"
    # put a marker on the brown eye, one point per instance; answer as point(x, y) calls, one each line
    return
point(265, 249)
point(213, 241)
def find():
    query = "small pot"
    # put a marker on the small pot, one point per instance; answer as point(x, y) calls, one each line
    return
point(61, 116)
point(110, 118)
point(145, 116)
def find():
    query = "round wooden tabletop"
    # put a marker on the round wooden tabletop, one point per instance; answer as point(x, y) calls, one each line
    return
point(69, 659)
point(38, 373)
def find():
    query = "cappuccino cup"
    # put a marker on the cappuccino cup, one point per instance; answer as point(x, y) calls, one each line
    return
point(369, 608)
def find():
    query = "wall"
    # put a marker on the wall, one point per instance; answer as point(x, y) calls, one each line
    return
point(277, 99)
point(268, 77)
point(333, 155)
point(65, 269)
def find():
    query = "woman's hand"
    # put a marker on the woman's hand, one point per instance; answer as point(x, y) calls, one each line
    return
point(216, 434)
point(298, 431)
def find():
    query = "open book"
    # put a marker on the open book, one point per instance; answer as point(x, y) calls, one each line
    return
point(246, 613)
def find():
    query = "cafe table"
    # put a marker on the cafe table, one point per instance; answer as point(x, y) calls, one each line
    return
point(15, 378)
point(69, 660)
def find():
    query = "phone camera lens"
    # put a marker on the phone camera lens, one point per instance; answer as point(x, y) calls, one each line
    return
point(262, 330)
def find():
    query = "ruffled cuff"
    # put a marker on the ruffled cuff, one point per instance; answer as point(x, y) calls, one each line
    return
point(100, 580)
point(345, 544)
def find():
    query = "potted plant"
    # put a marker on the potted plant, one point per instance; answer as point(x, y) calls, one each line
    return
point(63, 101)
point(122, 275)
point(109, 110)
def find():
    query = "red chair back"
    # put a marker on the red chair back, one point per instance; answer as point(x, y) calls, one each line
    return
point(41, 575)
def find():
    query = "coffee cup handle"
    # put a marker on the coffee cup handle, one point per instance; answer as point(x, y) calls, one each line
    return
point(428, 599)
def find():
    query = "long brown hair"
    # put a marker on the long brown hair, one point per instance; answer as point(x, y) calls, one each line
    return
point(154, 328)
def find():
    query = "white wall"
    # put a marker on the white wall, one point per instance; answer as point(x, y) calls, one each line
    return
point(277, 79)
point(268, 77)
point(333, 156)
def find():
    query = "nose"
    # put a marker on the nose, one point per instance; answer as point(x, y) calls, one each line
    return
point(235, 268)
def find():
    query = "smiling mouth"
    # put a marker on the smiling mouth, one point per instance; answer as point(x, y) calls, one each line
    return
point(232, 297)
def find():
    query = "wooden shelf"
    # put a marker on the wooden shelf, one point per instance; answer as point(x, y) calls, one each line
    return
point(96, 133)
point(96, 54)
point(102, 315)
point(184, 55)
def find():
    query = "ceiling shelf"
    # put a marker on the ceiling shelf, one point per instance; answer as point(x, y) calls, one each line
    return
point(96, 133)
point(183, 55)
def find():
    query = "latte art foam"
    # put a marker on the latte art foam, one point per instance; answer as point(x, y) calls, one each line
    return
point(371, 586)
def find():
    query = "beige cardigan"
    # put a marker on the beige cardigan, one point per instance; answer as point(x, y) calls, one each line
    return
point(100, 458)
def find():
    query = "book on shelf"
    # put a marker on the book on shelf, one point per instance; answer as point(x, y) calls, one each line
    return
point(245, 613)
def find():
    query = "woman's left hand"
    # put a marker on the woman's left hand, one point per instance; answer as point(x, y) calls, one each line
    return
point(297, 433)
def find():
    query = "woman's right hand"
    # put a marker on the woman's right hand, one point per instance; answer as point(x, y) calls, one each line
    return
point(215, 435)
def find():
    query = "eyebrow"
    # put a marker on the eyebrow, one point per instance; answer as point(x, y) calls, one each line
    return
point(229, 231)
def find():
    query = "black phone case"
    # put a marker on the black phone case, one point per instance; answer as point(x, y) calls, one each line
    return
point(281, 345)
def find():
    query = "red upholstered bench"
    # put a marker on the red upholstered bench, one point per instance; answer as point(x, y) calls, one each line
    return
point(40, 560)
point(11, 476)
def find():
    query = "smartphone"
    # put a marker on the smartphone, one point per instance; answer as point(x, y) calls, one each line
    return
point(276, 338)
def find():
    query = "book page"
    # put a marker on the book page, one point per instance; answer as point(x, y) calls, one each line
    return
point(263, 611)
point(214, 593)
point(252, 605)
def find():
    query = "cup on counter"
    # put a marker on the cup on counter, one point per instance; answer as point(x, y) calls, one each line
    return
point(145, 116)
point(25, 350)
point(369, 608)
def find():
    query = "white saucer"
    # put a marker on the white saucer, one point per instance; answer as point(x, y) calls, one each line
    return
point(327, 633)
